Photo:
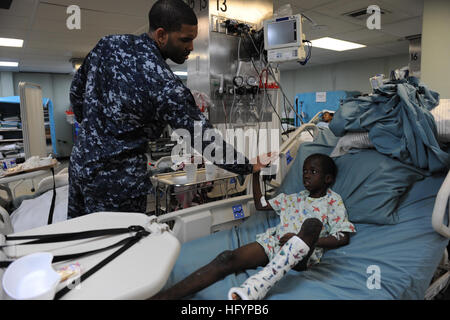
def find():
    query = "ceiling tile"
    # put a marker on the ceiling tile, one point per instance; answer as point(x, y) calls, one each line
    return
point(327, 25)
point(340, 8)
point(300, 5)
point(404, 28)
point(15, 33)
point(412, 8)
point(19, 8)
point(13, 22)
point(135, 7)
point(367, 37)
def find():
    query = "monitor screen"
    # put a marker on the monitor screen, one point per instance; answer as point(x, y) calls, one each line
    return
point(282, 32)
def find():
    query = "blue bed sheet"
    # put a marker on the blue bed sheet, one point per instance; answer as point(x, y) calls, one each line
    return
point(406, 252)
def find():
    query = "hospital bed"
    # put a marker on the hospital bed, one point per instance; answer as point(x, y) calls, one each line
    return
point(398, 249)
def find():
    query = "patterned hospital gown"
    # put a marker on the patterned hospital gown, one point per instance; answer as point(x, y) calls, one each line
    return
point(294, 209)
point(124, 95)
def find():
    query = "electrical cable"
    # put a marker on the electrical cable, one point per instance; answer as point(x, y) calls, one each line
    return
point(232, 107)
point(261, 112)
point(274, 109)
point(268, 67)
point(308, 55)
point(282, 91)
point(225, 111)
point(234, 88)
point(273, 75)
point(260, 74)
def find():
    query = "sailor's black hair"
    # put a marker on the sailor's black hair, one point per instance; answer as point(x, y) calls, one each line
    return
point(170, 15)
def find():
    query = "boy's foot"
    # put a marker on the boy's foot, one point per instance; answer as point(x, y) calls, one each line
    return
point(235, 296)
point(241, 293)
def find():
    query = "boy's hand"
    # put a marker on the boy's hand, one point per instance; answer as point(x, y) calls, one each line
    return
point(286, 238)
point(264, 160)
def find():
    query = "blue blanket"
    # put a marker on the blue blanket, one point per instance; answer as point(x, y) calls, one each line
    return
point(399, 123)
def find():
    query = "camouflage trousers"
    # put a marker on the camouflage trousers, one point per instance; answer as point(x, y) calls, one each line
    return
point(99, 194)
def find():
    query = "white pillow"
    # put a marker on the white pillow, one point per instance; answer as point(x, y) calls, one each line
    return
point(33, 213)
point(357, 140)
point(441, 115)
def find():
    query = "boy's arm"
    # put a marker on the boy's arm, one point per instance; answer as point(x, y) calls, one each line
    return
point(257, 194)
point(331, 242)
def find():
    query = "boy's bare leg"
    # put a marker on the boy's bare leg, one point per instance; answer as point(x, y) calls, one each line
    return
point(249, 256)
point(293, 254)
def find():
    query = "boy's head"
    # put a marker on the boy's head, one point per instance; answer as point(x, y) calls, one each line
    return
point(319, 173)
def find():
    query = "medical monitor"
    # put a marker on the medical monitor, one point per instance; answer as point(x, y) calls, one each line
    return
point(283, 32)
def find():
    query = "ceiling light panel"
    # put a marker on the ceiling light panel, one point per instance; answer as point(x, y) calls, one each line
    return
point(10, 42)
point(335, 44)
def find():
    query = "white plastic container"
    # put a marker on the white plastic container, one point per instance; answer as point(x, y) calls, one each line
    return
point(31, 277)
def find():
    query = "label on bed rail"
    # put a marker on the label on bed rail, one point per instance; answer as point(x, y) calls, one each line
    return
point(288, 157)
point(238, 211)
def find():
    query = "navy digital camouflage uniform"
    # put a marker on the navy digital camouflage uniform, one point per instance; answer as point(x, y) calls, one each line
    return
point(124, 95)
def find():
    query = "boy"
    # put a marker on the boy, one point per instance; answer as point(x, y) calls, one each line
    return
point(282, 244)
point(297, 233)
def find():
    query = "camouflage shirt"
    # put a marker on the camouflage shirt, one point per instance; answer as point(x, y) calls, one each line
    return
point(124, 95)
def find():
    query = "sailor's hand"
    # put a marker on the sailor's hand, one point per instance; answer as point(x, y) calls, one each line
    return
point(264, 160)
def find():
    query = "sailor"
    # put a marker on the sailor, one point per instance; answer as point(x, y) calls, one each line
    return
point(123, 96)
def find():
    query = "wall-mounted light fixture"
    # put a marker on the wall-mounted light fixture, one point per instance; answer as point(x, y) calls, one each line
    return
point(76, 63)
point(335, 44)
point(11, 64)
point(181, 73)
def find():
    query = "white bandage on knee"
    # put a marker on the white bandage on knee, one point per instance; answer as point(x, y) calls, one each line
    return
point(257, 286)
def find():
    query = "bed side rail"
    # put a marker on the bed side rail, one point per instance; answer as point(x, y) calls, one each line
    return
point(6, 226)
point(440, 205)
point(198, 221)
point(289, 149)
